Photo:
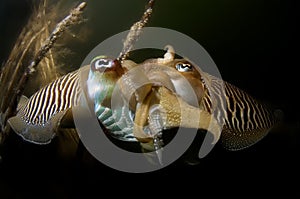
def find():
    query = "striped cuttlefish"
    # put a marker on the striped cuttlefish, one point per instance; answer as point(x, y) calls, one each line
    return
point(224, 110)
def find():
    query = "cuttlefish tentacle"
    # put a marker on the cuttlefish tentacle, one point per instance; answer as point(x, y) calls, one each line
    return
point(141, 119)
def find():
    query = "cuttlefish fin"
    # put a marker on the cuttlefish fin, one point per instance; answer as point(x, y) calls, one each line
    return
point(37, 133)
point(235, 140)
point(22, 102)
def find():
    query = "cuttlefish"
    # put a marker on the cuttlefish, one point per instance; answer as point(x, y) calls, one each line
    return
point(153, 96)
point(221, 108)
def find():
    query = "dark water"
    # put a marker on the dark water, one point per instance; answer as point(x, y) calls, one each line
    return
point(253, 44)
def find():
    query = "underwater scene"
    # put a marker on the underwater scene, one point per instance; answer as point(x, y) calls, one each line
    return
point(148, 97)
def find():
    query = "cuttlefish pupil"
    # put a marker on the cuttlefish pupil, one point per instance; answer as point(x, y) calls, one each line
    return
point(184, 67)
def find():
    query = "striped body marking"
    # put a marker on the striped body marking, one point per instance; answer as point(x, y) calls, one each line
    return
point(54, 98)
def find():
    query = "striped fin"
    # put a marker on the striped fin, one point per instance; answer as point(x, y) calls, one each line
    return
point(245, 119)
point(39, 116)
point(38, 133)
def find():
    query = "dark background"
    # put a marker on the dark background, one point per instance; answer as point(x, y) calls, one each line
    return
point(253, 43)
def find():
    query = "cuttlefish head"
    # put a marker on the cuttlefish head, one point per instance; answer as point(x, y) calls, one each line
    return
point(166, 93)
point(103, 74)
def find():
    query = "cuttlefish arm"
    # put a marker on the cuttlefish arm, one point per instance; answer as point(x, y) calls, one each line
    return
point(172, 111)
point(176, 112)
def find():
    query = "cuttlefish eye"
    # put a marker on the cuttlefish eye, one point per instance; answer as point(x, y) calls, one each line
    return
point(102, 63)
point(184, 67)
